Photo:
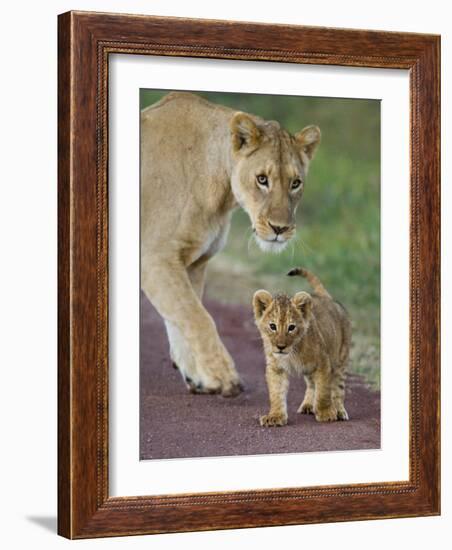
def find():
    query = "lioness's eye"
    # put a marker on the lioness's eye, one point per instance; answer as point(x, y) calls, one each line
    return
point(262, 180)
point(290, 328)
point(272, 326)
point(296, 184)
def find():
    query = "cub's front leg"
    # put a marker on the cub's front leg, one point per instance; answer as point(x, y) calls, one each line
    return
point(324, 408)
point(278, 386)
point(307, 405)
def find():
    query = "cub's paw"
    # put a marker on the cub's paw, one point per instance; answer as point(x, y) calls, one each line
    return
point(306, 408)
point(326, 415)
point(342, 414)
point(269, 420)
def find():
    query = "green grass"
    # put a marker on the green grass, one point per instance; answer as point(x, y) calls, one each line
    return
point(338, 220)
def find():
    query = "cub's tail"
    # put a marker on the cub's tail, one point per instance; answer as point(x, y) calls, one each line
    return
point(314, 281)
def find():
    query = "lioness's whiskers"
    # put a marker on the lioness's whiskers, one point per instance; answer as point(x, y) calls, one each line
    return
point(250, 242)
point(292, 246)
point(305, 246)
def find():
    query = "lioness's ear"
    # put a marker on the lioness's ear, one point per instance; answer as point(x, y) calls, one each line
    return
point(303, 302)
point(308, 140)
point(245, 134)
point(261, 300)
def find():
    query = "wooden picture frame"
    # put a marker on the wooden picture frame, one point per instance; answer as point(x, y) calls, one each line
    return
point(85, 42)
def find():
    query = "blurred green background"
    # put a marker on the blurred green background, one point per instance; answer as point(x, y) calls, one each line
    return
point(338, 221)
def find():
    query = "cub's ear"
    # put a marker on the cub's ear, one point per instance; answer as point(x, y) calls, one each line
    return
point(245, 134)
point(303, 302)
point(308, 140)
point(261, 300)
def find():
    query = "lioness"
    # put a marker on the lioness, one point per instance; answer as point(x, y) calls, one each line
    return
point(199, 161)
point(310, 334)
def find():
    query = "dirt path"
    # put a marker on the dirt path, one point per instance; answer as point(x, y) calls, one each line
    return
point(176, 424)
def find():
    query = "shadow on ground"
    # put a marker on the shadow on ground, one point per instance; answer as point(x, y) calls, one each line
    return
point(176, 424)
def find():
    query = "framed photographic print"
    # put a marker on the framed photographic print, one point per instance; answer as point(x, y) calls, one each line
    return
point(248, 275)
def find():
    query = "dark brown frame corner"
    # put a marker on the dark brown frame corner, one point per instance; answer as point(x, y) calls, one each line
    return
point(85, 41)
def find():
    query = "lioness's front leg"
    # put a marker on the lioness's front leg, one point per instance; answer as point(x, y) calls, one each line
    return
point(167, 285)
point(180, 351)
point(278, 386)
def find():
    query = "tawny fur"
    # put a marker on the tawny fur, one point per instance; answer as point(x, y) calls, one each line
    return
point(199, 161)
point(309, 334)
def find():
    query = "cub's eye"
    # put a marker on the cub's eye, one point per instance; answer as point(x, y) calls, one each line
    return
point(272, 326)
point(290, 328)
point(295, 184)
point(262, 180)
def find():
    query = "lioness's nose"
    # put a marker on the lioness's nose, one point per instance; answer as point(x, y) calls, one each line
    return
point(278, 229)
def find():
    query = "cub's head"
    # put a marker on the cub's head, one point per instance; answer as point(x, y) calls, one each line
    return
point(281, 320)
point(268, 175)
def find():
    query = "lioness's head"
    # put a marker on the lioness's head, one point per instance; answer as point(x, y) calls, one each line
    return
point(268, 175)
point(281, 320)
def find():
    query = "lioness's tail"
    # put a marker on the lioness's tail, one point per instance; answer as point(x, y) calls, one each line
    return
point(312, 279)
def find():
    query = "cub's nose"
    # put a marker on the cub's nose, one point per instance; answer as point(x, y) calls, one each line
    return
point(278, 229)
point(281, 348)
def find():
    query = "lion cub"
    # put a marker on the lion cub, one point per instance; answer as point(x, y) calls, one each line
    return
point(311, 334)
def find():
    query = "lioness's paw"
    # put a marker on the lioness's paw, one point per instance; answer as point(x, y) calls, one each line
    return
point(269, 420)
point(229, 380)
point(214, 387)
point(326, 415)
point(217, 376)
point(342, 414)
point(200, 388)
point(306, 408)
point(232, 390)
